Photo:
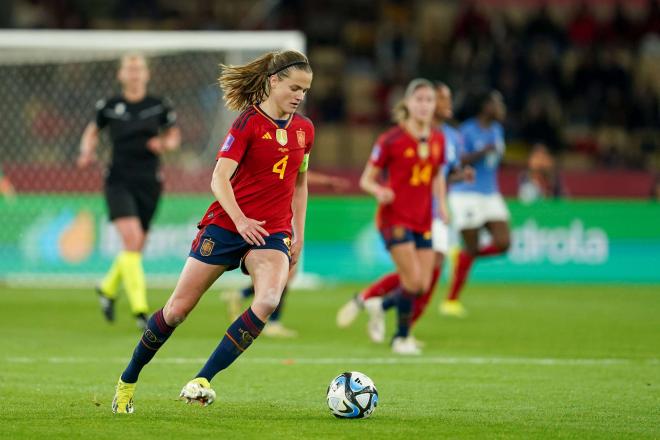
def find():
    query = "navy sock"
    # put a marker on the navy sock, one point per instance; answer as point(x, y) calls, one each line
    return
point(247, 292)
point(391, 300)
point(237, 339)
point(153, 338)
point(275, 316)
point(404, 307)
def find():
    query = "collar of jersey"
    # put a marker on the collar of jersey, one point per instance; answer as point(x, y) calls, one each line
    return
point(272, 121)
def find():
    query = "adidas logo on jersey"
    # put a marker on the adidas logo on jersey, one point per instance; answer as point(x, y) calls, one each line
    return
point(266, 136)
point(409, 153)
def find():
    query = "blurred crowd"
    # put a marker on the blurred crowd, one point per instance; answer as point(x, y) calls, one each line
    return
point(581, 79)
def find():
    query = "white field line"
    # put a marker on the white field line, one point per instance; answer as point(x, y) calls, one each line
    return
point(422, 360)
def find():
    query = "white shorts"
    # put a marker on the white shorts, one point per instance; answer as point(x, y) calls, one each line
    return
point(440, 236)
point(470, 210)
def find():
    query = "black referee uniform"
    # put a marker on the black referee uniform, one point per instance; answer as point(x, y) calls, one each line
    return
point(133, 183)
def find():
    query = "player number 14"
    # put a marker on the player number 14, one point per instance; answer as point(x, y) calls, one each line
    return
point(421, 174)
point(280, 166)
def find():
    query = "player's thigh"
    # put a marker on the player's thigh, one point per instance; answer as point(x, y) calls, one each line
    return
point(195, 279)
point(500, 232)
point(269, 269)
point(407, 263)
point(470, 240)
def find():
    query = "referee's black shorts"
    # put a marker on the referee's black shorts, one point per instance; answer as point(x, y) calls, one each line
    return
point(133, 199)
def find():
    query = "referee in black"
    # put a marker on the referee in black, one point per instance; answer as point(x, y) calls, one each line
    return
point(142, 127)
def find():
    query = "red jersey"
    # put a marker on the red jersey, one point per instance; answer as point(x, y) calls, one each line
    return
point(409, 166)
point(269, 159)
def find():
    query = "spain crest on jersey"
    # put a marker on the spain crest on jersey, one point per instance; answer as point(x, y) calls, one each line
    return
point(300, 134)
point(207, 247)
point(281, 136)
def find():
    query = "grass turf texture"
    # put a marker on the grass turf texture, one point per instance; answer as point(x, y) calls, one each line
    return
point(530, 362)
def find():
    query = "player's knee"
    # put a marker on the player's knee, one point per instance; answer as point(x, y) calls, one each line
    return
point(175, 313)
point(413, 283)
point(471, 250)
point(503, 244)
point(267, 300)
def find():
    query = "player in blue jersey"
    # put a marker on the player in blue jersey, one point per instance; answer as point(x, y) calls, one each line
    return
point(478, 204)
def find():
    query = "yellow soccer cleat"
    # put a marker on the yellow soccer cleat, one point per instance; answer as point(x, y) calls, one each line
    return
point(198, 390)
point(453, 308)
point(123, 401)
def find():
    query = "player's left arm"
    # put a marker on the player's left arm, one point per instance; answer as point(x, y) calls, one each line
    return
point(333, 182)
point(299, 202)
point(299, 208)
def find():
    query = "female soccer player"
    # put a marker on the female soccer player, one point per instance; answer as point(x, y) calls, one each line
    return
point(479, 204)
point(141, 128)
point(389, 283)
point(257, 221)
point(410, 155)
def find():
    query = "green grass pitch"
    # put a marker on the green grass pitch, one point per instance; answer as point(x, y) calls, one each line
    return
point(530, 361)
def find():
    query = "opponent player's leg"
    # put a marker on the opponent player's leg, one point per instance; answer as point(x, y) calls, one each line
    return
point(500, 232)
point(196, 277)
point(451, 306)
point(268, 269)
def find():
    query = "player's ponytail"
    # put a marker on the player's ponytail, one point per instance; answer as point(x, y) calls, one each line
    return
point(400, 111)
point(248, 84)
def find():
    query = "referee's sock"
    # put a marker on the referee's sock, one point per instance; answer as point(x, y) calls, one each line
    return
point(133, 276)
point(237, 339)
point(110, 283)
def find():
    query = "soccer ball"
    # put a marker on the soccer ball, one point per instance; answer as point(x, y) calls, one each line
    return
point(352, 396)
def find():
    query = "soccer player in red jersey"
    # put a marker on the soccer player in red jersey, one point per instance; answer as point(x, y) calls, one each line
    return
point(257, 222)
point(452, 171)
point(409, 155)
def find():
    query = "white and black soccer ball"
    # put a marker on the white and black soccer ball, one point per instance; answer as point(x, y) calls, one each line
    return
point(352, 396)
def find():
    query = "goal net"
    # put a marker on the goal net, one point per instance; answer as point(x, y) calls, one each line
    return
point(54, 230)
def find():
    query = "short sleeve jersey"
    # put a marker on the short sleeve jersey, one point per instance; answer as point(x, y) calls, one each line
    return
point(269, 160)
point(476, 138)
point(131, 125)
point(410, 166)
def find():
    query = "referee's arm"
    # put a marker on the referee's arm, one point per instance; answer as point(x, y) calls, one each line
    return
point(88, 143)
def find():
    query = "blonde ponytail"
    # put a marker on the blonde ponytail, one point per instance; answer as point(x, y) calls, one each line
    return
point(248, 84)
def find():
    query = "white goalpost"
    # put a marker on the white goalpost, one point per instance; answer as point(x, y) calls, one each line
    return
point(55, 232)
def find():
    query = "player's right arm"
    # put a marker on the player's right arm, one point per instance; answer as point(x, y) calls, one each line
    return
point(88, 143)
point(369, 179)
point(90, 137)
point(476, 156)
point(250, 229)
